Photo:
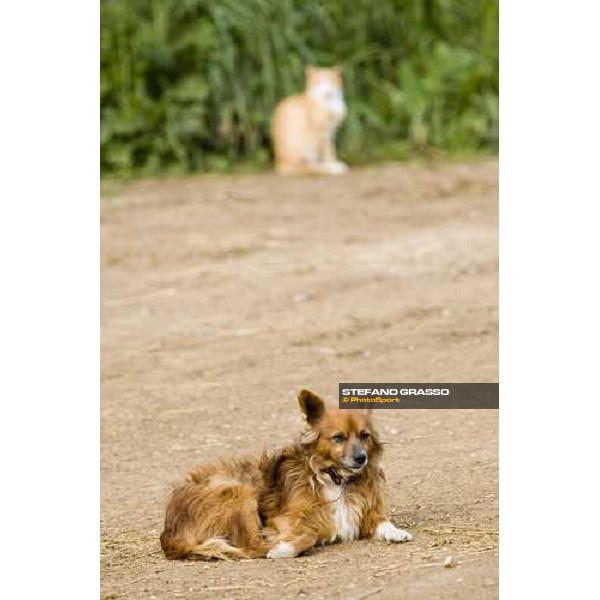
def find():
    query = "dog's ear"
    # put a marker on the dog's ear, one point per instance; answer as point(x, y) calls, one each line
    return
point(312, 407)
point(368, 413)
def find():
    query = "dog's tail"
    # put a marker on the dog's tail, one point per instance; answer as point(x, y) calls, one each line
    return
point(211, 549)
point(216, 548)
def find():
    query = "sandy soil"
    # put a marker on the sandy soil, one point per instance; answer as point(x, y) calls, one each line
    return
point(222, 296)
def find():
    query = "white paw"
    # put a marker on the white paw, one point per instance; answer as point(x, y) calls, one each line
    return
point(282, 550)
point(337, 168)
point(390, 533)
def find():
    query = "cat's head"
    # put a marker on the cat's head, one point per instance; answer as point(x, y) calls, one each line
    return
point(324, 79)
point(324, 86)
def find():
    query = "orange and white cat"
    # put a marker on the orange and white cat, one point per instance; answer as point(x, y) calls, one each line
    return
point(304, 126)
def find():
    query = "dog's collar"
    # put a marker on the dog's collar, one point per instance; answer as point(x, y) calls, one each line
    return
point(335, 476)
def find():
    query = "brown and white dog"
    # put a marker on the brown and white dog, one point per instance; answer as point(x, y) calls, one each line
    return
point(327, 487)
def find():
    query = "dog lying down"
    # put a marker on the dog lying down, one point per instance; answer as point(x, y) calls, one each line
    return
point(327, 487)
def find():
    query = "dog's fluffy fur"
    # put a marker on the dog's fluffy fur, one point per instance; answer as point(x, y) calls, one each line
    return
point(327, 487)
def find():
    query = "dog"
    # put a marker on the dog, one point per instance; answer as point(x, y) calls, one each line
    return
point(303, 127)
point(325, 488)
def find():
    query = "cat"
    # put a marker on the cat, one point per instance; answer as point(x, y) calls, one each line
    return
point(304, 126)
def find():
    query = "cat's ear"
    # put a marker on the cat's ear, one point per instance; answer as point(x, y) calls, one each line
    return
point(309, 71)
point(338, 70)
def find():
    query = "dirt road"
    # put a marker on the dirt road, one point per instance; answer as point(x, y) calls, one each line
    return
point(221, 297)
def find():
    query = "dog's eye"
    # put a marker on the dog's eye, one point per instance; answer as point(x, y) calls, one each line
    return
point(364, 435)
point(338, 438)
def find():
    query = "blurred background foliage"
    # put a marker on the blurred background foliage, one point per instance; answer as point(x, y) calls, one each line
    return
point(190, 85)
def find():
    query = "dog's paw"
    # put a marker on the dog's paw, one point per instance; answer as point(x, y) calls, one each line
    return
point(282, 550)
point(390, 533)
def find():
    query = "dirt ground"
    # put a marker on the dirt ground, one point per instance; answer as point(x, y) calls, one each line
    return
point(223, 296)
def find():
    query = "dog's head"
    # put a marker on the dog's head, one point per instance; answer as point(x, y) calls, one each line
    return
point(343, 443)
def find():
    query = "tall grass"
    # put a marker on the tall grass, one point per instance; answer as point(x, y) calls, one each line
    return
point(190, 85)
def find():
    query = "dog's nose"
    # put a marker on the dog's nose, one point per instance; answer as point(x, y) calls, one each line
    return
point(360, 458)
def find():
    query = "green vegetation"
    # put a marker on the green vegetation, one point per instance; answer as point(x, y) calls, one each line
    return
point(190, 85)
